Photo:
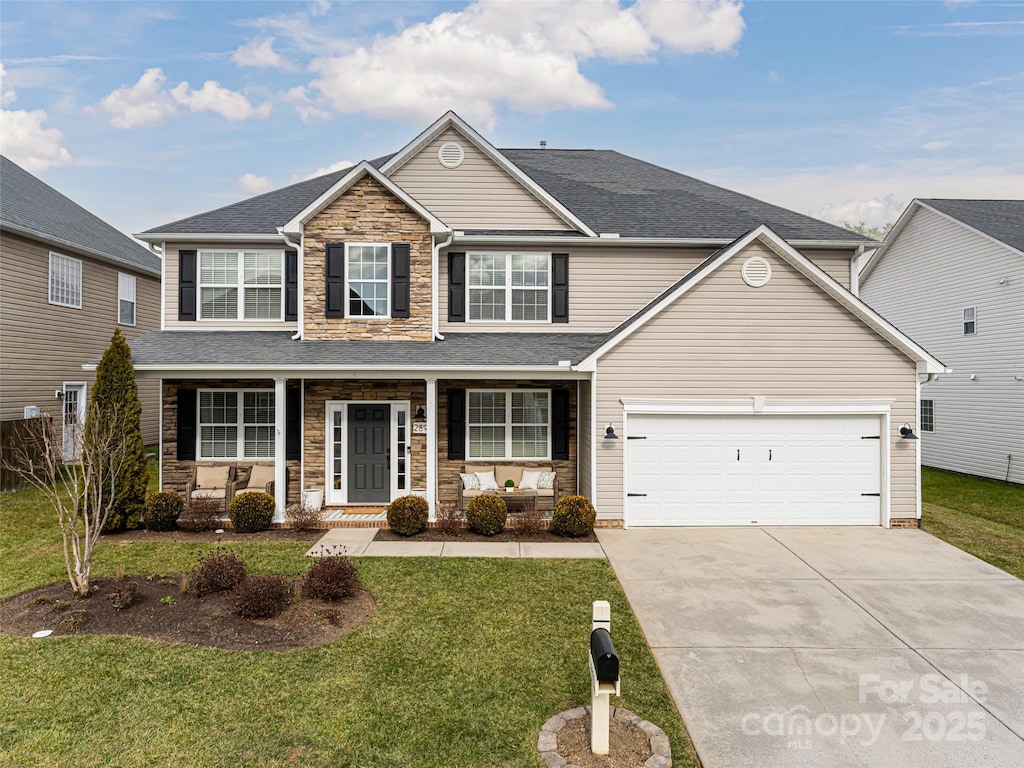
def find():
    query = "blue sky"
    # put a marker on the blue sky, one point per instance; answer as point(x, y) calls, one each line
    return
point(145, 112)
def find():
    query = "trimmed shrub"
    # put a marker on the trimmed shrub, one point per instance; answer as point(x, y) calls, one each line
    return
point(252, 511)
point(262, 597)
point(574, 516)
point(407, 515)
point(216, 573)
point(486, 514)
point(201, 514)
point(163, 509)
point(330, 578)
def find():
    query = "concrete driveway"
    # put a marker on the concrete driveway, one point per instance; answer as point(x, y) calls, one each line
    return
point(830, 646)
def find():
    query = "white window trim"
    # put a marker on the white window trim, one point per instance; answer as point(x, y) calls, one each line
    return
point(386, 281)
point(508, 427)
point(508, 288)
point(49, 282)
point(124, 279)
point(240, 285)
point(240, 425)
point(974, 321)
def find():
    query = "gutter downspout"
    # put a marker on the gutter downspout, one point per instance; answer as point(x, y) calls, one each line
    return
point(435, 252)
point(301, 307)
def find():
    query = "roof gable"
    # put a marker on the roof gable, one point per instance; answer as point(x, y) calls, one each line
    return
point(926, 362)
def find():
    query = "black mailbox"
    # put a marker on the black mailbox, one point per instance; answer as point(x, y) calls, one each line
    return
point(606, 660)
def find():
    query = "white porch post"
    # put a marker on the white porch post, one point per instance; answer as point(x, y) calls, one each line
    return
point(432, 446)
point(280, 470)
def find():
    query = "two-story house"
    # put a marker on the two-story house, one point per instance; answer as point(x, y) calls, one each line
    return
point(951, 274)
point(67, 280)
point(680, 353)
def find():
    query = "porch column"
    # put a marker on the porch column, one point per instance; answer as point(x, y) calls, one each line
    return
point(432, 446)
point(280, 468)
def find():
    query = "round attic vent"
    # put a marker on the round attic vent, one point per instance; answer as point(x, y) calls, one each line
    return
point(756, 271)
point(450, 155)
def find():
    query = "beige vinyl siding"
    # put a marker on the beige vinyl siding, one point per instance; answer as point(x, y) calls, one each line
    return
point(476, 195)
point(585, 442)
point(786, 340)
point(43, 345)
point(171, 322)
point(932, 271)
point(833, 262)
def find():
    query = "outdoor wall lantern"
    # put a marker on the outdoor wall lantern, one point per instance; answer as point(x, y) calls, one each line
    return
point(420, 415)
point(609, 434)
point(907, 433)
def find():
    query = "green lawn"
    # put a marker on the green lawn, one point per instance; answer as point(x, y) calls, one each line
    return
point(461, 663)
point(983, 517)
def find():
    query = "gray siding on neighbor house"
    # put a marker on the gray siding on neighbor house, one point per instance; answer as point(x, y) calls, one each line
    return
point(933, 270)
point(787, 340)
point(43, 345)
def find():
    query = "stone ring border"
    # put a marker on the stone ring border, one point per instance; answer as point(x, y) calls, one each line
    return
point(547, 742)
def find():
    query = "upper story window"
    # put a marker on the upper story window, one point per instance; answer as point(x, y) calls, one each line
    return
point(508, 424)
point(125, 299)
point(227, 431)
point(65, 281)
point(970, 321)
point(509, 286)
point(241, 285)
point(368, 277)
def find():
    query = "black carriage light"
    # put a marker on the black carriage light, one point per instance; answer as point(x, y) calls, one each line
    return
point(609, 434)
point(420, 415)
point(907, 433)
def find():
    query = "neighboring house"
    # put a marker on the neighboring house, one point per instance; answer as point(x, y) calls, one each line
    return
point(680, 353)
point(67, 280)
point(951, 274)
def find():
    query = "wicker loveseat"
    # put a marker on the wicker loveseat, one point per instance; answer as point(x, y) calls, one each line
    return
point(545, 497)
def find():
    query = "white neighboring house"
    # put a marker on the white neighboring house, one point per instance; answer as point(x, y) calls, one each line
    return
point(951, 276)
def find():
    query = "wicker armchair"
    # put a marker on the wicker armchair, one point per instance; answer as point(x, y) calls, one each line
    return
point(216, 482)
point(260, 478)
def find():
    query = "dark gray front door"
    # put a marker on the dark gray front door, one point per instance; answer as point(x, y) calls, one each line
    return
point(369, 453)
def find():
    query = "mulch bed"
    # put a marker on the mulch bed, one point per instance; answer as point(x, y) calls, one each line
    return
point(206, 621)
point(272, 536)
point(628, 746)
point(432, 534)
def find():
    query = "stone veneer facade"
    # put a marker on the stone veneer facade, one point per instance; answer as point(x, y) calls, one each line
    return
point(367, 213)
point(176, 473)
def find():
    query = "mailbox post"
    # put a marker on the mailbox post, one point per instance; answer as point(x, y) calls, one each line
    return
point(604, 675)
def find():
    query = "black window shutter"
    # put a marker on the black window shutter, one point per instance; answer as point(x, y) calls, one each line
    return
point(187, 285)
point(187, 424)
point(293, 422)
point(291, 285)
point(560, 424)
point(560, 288)
point(336, 280)
point(456, 424)
point(400, 279)
point(456, 287)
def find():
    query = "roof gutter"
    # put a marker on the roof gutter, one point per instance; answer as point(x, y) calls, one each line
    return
point(434, 258)
point(59, 243)
point(206, 237)
point(634, 242)
point(301, 309)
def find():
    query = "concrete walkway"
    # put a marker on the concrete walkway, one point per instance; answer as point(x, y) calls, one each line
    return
point(830, 646)
point(358, 542)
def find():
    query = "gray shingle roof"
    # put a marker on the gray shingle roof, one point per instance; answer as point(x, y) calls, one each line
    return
point(30, 207)
point(276, 348)
point(1001, 219)
point(609, 191)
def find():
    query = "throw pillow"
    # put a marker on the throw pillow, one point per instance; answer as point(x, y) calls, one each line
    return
point(487, 481)
point(547, 480)
point(470, 481)
point(529, 481)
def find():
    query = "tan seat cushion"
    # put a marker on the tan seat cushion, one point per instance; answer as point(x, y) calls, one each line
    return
point(209, 493)
point(548, 492)
point(212, 477)
point(259, 477)
point(508, 472)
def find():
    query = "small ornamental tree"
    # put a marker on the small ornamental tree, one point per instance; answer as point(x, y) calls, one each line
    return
point(115, 409)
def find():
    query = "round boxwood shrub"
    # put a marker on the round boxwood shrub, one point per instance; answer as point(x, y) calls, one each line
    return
point(407, 515)
point(163, 509)
point(574, 516)
point(330, 578)
point(252, 511)
point(486, 514)
point(262, 597)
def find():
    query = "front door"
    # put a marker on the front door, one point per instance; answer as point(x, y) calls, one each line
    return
point(369, 453)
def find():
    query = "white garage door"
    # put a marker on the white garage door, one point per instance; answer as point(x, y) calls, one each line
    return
point(753, 470)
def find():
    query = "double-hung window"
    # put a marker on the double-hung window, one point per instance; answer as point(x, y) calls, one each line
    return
point(509, 424)
point(125, 299)
point(367, 274)
point(236, 424)
point(927, 415)
point(970, 321)
point(241, 285)
point(509, 286)
point(65, 281)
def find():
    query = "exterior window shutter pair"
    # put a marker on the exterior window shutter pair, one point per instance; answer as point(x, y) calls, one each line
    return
point(188, 414)
point(457, 288)
point(400, 280)
point(559, 424)
point(188, 287)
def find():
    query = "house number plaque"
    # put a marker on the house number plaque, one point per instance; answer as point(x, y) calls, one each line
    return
point(419, 428)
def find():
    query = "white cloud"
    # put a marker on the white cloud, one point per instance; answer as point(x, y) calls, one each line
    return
point(934, 146)
point(149, 103)
point(875, 213)
point(7, 92)
point(338, 166)
point(25, 141)
point(523, 55)
point(259, 52)
point(252, 184)
point(308, 109)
